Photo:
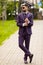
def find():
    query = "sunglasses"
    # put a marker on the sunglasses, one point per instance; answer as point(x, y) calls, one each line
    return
point(23, 7)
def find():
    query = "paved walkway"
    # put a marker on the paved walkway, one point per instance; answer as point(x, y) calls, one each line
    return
point(11, 54)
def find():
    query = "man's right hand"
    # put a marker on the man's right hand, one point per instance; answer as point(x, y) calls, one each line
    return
point(27, 21)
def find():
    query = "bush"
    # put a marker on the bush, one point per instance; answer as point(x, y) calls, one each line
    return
point(11, 9)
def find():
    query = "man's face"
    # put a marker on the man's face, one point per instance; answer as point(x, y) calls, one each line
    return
point(24, 8)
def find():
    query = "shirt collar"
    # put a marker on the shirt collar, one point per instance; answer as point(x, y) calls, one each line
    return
point(25, 12)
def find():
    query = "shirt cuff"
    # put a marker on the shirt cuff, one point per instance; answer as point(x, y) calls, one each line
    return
point(23, 24)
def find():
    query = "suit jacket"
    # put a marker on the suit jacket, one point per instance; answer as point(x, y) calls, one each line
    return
point(20, 21)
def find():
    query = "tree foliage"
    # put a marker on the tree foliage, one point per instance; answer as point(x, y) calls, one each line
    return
point(3, 4)
point(9, 6)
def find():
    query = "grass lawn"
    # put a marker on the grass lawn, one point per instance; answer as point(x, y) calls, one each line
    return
point(6, 29)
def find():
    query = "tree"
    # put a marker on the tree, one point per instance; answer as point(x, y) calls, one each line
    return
point(20, 1)
point(10, 9)
point(42, 3)
point(3, 4)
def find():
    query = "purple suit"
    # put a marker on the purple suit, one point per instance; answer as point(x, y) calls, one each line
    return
point(24, 32)
point(20, 21)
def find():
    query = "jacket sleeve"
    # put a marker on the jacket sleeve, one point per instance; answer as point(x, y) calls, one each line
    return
point(31, 21)
point(19, 23)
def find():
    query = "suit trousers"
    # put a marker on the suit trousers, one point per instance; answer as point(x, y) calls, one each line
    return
point(26, 37)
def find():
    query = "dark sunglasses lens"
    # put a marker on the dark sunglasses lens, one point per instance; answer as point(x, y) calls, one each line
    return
point(23, 7)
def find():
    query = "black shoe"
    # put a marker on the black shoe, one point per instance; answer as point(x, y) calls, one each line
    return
point(31, 57)
point(25, 60)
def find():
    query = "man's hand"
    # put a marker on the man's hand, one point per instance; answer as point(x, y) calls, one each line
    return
point(25, 24)
point(27, 20)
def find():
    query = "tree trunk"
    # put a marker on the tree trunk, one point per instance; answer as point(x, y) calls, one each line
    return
point(20, 1)
point(4, 14)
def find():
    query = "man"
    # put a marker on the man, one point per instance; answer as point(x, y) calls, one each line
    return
point(25, 22)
